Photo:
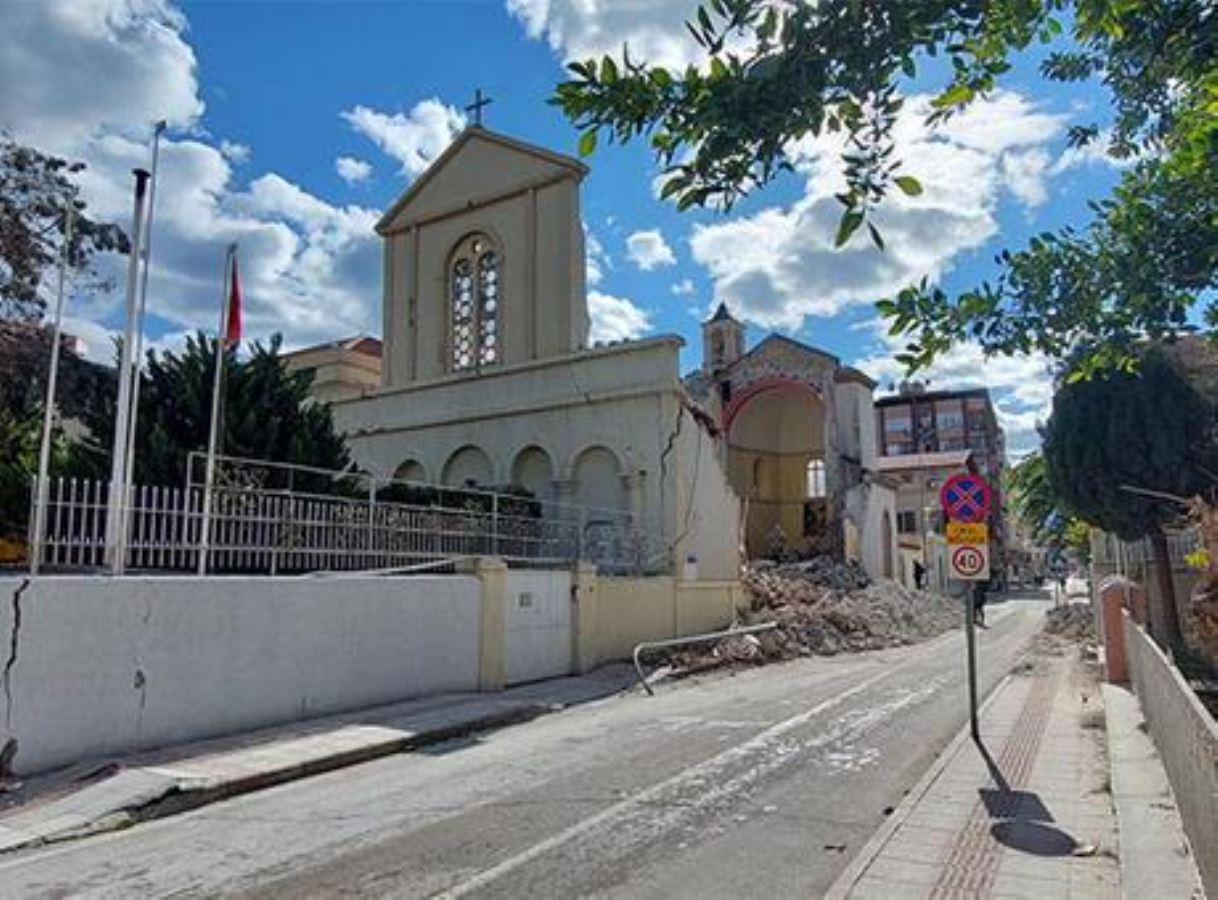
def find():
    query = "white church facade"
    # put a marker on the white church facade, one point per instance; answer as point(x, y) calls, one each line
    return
point(488, 378)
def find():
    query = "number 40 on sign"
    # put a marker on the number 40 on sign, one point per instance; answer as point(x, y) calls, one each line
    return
point(970, 562)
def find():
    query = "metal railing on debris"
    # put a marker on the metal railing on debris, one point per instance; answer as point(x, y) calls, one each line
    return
point(309, 520)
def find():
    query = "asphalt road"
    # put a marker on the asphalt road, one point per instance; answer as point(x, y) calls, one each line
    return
point(763, 783)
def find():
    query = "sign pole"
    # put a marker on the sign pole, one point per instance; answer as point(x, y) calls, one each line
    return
point(970, 638)
point(966, 501)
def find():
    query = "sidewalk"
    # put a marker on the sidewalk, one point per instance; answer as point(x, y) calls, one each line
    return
point(102, 796)
point(1031, 817)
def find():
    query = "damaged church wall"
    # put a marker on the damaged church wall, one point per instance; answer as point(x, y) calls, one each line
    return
point(708, 512)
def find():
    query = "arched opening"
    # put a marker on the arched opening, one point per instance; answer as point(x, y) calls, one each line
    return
point(598, 479)
point(533, 471)
point(776, 458)
point(468, 467)
point(411, 470)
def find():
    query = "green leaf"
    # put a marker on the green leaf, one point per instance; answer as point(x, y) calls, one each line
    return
point(587, 142)
point(876, 237)
point(956, 95)
point(909, 185)
point(851, 220)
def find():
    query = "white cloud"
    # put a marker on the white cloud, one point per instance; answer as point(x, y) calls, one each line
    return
point(596, 258)
point(778, 266)
point(1092, 153)
point(77, 67)
point(684, 288)
point(234, 152)
point(1021, 386)
point(654, 30)
point(414, 139)
point(352, 170)
point(615, 318)
point(83, 80)
point(1025, 175)
point(648, 250)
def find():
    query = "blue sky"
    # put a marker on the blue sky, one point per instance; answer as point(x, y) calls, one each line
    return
point(265, 98)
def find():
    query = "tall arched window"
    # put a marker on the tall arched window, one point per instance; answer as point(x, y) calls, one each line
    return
point(474, 298)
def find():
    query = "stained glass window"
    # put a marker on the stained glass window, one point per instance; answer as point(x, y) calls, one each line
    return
point(475, 300)
point(488, 308)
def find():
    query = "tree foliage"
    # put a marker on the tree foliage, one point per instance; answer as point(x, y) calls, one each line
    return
point(776, 73)
point(1118, 443)
point(1114, 435)
point(1034, 503)
point(268, 414)
point(35, 190)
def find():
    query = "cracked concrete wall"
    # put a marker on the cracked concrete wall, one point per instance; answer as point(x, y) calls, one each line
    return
point(105, 666)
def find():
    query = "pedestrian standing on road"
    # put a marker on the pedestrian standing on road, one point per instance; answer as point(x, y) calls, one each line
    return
point(979, 591)
point(919, 575)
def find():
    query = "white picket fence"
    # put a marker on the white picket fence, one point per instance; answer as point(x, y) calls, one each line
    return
point(257, 530)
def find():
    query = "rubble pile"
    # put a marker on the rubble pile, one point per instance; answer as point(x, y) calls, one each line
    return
point(1074, 621)
point(823, 607)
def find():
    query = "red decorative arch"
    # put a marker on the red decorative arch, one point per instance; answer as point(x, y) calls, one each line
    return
point(764, 386)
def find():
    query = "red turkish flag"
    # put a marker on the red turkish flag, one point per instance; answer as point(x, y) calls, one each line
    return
point(232, 334)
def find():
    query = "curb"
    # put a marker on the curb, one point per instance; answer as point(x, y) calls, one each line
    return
point(845, 882)
point(186, 796)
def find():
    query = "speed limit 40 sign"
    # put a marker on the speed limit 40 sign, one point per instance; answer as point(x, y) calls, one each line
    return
point(970, 562)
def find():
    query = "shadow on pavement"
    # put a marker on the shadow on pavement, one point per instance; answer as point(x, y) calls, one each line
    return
point(1020, 817)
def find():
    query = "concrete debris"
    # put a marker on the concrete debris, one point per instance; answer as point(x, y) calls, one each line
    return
point(822, 571)
point(823, 607)
point(1074, 621)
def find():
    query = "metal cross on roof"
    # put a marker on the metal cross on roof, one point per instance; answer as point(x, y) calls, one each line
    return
point(476, 107)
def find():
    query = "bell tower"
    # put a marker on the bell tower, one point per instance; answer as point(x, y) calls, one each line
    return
point(722, 340)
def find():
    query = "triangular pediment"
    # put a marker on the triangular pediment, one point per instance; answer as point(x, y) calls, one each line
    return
point(774, 344)
point(478, 167)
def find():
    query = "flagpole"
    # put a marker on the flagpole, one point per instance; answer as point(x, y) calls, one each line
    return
point(217, 391)
point(124, 528)
point(118, 469)
point(48, 412)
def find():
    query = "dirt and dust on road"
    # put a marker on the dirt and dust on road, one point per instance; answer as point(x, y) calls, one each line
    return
point(823, 607)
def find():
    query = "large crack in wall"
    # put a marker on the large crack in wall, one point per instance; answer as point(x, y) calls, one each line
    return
point(9, 750)
point(14, 645)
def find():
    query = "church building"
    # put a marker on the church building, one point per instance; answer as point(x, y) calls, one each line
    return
point(799, 445)
point(488, 379)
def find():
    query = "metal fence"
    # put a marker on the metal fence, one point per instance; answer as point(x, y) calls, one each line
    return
point(255, 529)
point(1108, 549)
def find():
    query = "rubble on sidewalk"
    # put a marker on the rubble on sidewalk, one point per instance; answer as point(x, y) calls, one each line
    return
point(1073, 621)
point(823, 607)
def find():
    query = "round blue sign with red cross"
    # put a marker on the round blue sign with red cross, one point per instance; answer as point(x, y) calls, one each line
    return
point(965, 498)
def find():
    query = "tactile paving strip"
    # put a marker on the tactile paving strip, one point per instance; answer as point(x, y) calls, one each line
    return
point(970, 869)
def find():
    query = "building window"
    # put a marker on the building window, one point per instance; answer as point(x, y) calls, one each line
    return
point(474, 298)
point(949, 416)
point(816, 487)
point(907, 522)
point(898, 425)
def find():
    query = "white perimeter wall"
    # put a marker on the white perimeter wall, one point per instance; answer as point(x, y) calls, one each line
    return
point(105, 666)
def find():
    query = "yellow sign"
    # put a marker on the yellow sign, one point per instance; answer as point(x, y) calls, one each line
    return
point(968, 533)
